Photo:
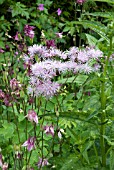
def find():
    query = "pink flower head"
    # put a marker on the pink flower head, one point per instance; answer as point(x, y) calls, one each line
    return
point(28, 30)
point(80, 2)
point(59, 11)
point(7, 47)
point(32, 116)
point(60, 133)
point(1, 51)
point(16, 53)
point(14, 84)
point(50, 43)
point(2, 95)
point(41, 7)
point(59, 35)
point(5, 166)
point(1, 162)
point(8, 99)
point(30, 143)
point(49, 130)
point(42, 162)
point(16, 37)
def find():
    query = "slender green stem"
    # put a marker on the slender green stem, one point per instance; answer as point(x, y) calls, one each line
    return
point(96, 153)
point(103, 113)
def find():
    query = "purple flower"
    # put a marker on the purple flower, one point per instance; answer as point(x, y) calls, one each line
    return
point(14, 84)
point(18, 155)
point(7, 47)
point(28, 30)
point(59, 34)
point(41, 7)
point(16, 53)
point(16, 37)
point(42, 162)
point(46, 88)
point(30, 143)
point(2, 95)
point(1, 162)
point(49, 130)
point(1, 50)
point(32, 116)
point(8, 99)
point(50, 43)
point(59, 11)
point(60, 133)
point(80, 2)
point(5, 166)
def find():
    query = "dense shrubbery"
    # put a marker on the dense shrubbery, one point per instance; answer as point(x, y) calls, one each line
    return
point(57, 85)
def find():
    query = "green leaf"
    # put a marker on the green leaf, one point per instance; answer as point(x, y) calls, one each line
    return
point(19, 9)
point(112, 159)
point(109, 15)
point(108, 1)
point(92, 115)
point(66, 29)
point(99, 28)
point(2, 1)
point(7, 130)
point(79, 79)
point(2, 44)
point(91, 39)
point(21, 117)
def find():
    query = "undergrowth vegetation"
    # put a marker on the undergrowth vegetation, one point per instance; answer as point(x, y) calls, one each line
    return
point(57, 85)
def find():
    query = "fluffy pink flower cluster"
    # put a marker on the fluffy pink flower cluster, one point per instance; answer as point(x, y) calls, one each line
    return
point(43, 72)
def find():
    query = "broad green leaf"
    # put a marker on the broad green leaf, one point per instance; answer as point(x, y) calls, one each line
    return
point(21, 117)
point(79, 79)
point(91, 39)
point(2, 1)
point(108, 1)
point(95, 26)
point(7, 130)
point(109, 15)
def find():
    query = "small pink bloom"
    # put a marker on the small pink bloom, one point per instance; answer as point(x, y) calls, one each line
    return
point(50, 43)
point(49, 130)
point(80, 2)
point(32, 116)
point(8, 99)
point(30, 143)
point(42, 162)
point(5, 166)
point(7, 47)
point(28, 30)
point(1, 162)
point(14, 84)
point(2, 95)
point(60, 133)
point(16, 53)
point(59, 11)
point(41, 7)
point(16, 37)
point(59, 35)
point(1, 50)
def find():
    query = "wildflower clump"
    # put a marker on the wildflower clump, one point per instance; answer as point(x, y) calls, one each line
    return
point(52, 61)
